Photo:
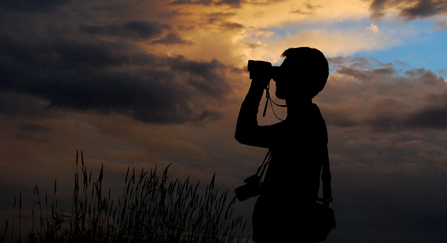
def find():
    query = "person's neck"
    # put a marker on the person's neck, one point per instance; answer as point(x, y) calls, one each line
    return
point(296, 107)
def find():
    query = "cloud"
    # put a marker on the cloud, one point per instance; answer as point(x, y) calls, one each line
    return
point(209, 2)
point(132, 29)
point(332, 42)
point(368, 93)
point(32, 6)
point(115, 77)
point(34, 128)
point(433, 114)
point(440, 25)
point(219, 20)
point(408, 9)
point(308, 9)
point(373, 28)
point(91, 76)
point(172, 38)
point(25, 106)
point(232, 25)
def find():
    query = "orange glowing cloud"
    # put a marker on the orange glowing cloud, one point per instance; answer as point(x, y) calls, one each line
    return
point(250, 31)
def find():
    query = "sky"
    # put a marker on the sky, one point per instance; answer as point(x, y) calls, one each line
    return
point(151, 83)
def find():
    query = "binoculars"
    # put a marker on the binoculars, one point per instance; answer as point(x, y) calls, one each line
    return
point(263, 69)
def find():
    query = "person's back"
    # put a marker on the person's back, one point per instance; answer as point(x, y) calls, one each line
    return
point(298, 146)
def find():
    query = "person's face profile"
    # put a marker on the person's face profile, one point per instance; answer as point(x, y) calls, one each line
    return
point(283, 80)
point(292, 81)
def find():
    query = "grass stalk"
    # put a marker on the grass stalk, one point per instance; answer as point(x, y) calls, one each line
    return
point(151, 208)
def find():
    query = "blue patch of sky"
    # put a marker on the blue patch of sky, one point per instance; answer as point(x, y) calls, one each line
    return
point(426, 49)
point(352, 25)
point(421, 44)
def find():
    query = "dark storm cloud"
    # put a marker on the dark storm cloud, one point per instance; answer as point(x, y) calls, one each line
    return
point(234, 3)
point(409, 9)
point(433, 114)
point(34, 128)
point(225, 24)
point(32, 5)
point(220, 19)
point(203, 75)
point(133, 29)
point(374, 94)
point(432, 117)
point(171, 39)
point(232, 25)
point(111, 77)
point(22, 105)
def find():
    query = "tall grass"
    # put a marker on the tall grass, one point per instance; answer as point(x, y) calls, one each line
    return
point(150, 209)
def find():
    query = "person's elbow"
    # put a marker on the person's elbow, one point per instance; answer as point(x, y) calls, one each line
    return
point(240, 137)
point(243, 136)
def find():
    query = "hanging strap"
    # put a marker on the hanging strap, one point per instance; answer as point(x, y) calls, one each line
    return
point(261, 168)
point(269, 100)
point(264, 164)
point(326, 178)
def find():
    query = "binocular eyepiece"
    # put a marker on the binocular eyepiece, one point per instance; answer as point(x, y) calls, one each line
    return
point(263, 69)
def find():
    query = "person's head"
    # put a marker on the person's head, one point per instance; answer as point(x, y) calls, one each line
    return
point(303, 74)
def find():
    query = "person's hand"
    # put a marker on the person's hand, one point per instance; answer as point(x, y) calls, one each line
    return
point(260, 82)
point(260, 73)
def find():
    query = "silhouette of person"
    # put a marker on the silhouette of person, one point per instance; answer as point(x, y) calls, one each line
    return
point(298, 145)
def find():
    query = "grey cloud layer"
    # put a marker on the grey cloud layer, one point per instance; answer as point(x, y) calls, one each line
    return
point(131, 29)
point(88, 73)
point(32, 6)
point(409, 9)
point(380, 97)
point(209, 2)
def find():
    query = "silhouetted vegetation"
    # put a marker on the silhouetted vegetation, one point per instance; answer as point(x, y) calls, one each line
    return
point(151, 209)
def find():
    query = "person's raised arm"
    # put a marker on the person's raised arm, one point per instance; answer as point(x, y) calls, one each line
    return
point(247, 130)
